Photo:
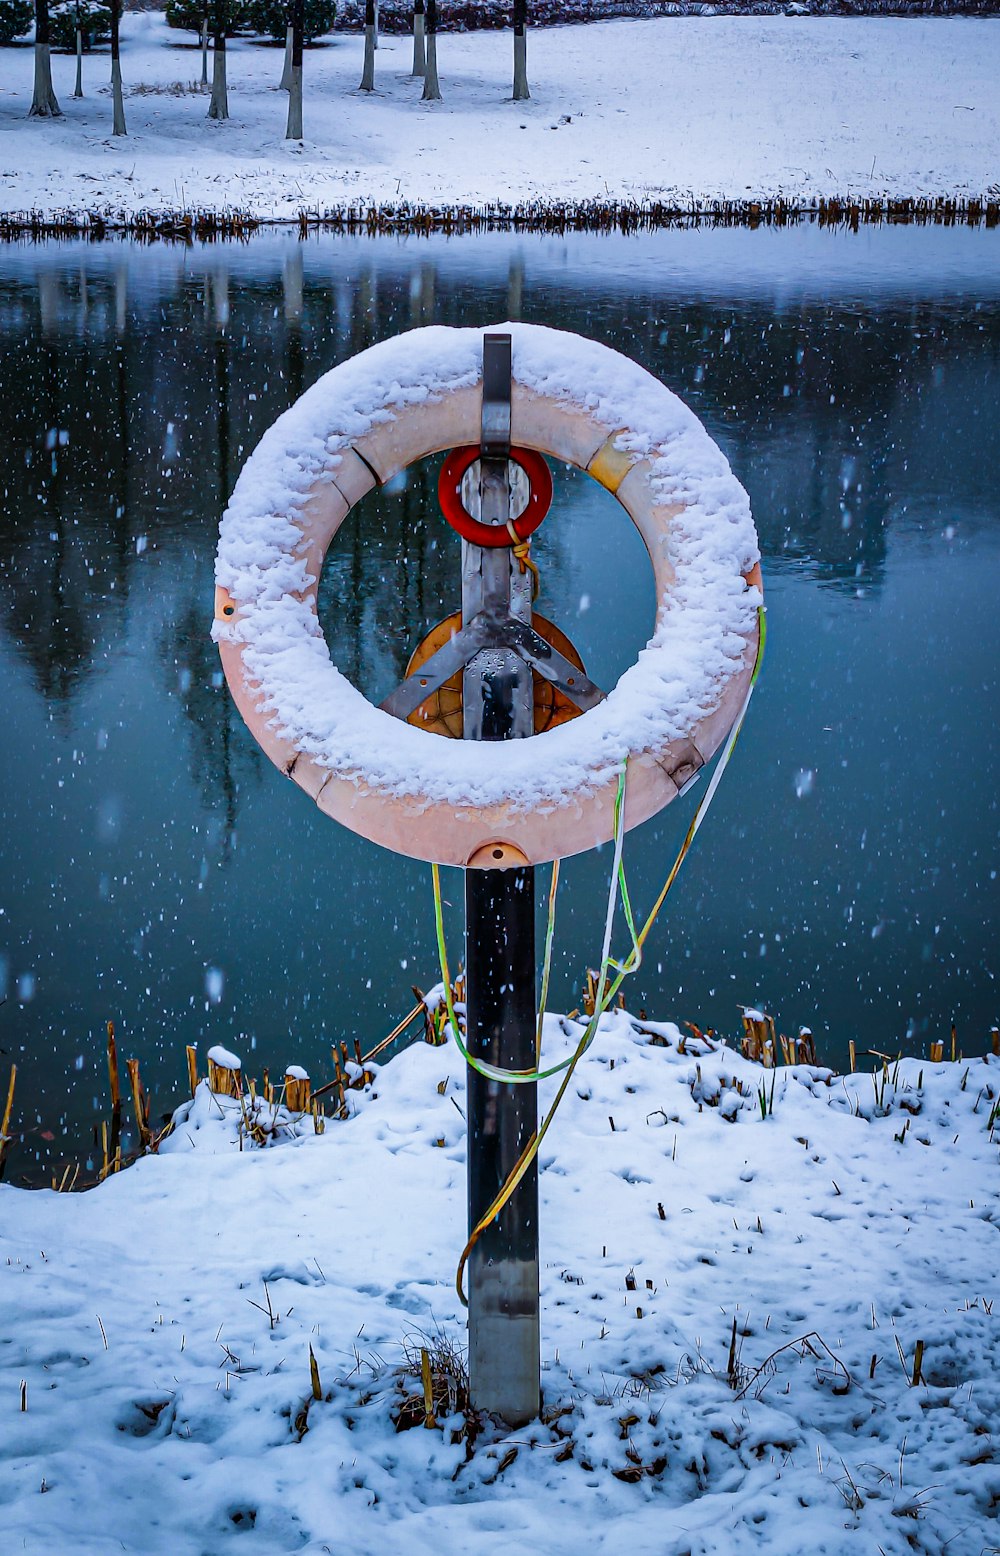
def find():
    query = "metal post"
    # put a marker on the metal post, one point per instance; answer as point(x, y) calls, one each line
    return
point(500, 971)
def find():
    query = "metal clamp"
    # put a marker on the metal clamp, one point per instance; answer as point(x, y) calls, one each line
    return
point(496, 623)
point(497, 366)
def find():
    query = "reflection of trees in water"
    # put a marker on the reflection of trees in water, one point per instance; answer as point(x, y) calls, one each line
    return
point(820, 410)
point(391, 573)
point(812, 392)
point(163, 389)
point(61, 586)
point(223, 757)
point(292, 284)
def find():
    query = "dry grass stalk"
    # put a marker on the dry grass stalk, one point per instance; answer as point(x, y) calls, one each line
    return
point(5, 1123)
point(224, 1081)
point(397, 1030)
point(707, 1037)
point(140, 1104)
point(438, 1363)
point(317, 1392)
point(427, 1382)
point(759, 1040)
point(805, 1046)
point(731, 1364)
point(812, 1344)
point(113, 1079)
point(338, 1080)
point(918, 1363)
point(116, 1095)
point(937, 1052)
point(192, 1064)
point(298, 1093)
point(798, 1050)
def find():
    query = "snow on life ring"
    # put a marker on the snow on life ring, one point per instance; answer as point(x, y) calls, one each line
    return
point(530, 800)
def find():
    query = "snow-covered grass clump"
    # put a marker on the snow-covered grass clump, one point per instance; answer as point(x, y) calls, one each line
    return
point(734, 1293)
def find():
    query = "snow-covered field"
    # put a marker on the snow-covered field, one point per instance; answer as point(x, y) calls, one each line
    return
point(682, 109)
point(165, 1406)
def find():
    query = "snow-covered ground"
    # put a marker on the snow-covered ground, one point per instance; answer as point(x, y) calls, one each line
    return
point(165, 1386)
point(681, 109)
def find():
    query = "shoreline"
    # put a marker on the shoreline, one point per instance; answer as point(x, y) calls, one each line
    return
point(770, 118)
point(590, 216)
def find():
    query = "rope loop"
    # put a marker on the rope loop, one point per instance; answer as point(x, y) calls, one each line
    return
point(522, 550)
point(607, 987)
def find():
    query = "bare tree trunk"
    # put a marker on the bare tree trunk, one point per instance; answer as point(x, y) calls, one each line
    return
point(521, 92)
point(285, 84)
point(418, 38)
point(292, 279)
point(116, 71)
point(432, 91)
point(368, 73)
point(293, 129)
point(78, 89)
point(43, 99)
point(218, 108)
point(220, 297)
point(515, 287)
point(204, 49)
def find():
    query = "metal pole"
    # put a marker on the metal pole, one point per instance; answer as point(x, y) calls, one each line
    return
point(500, 971)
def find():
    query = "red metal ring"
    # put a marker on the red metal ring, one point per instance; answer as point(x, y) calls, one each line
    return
point(450, 496)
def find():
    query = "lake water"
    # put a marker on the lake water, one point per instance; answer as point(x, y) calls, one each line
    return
point(157, 871)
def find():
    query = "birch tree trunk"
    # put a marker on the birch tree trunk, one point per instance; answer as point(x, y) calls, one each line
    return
point(368, 73)
point(78, 89)
point(521, 51)
point(285, 84)
point(432, 91)
point(418, 38)
point(118, 127)
point(43, 100)
point(293, 130)
point(218, 108)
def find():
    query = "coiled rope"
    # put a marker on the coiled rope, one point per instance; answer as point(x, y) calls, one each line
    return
point(522, 551)
point(607, 987)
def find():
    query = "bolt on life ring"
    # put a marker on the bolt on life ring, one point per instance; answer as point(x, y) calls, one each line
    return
point(552, 794)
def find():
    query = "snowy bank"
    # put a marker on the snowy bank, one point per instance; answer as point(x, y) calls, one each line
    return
point(155, 1371)
point(677, 110)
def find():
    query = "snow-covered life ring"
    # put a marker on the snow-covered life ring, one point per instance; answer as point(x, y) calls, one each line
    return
point(470, 802)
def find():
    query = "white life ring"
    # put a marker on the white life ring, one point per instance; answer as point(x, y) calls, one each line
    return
point(467, 802)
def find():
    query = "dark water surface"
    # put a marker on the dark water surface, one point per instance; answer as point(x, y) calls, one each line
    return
point(157, 871)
